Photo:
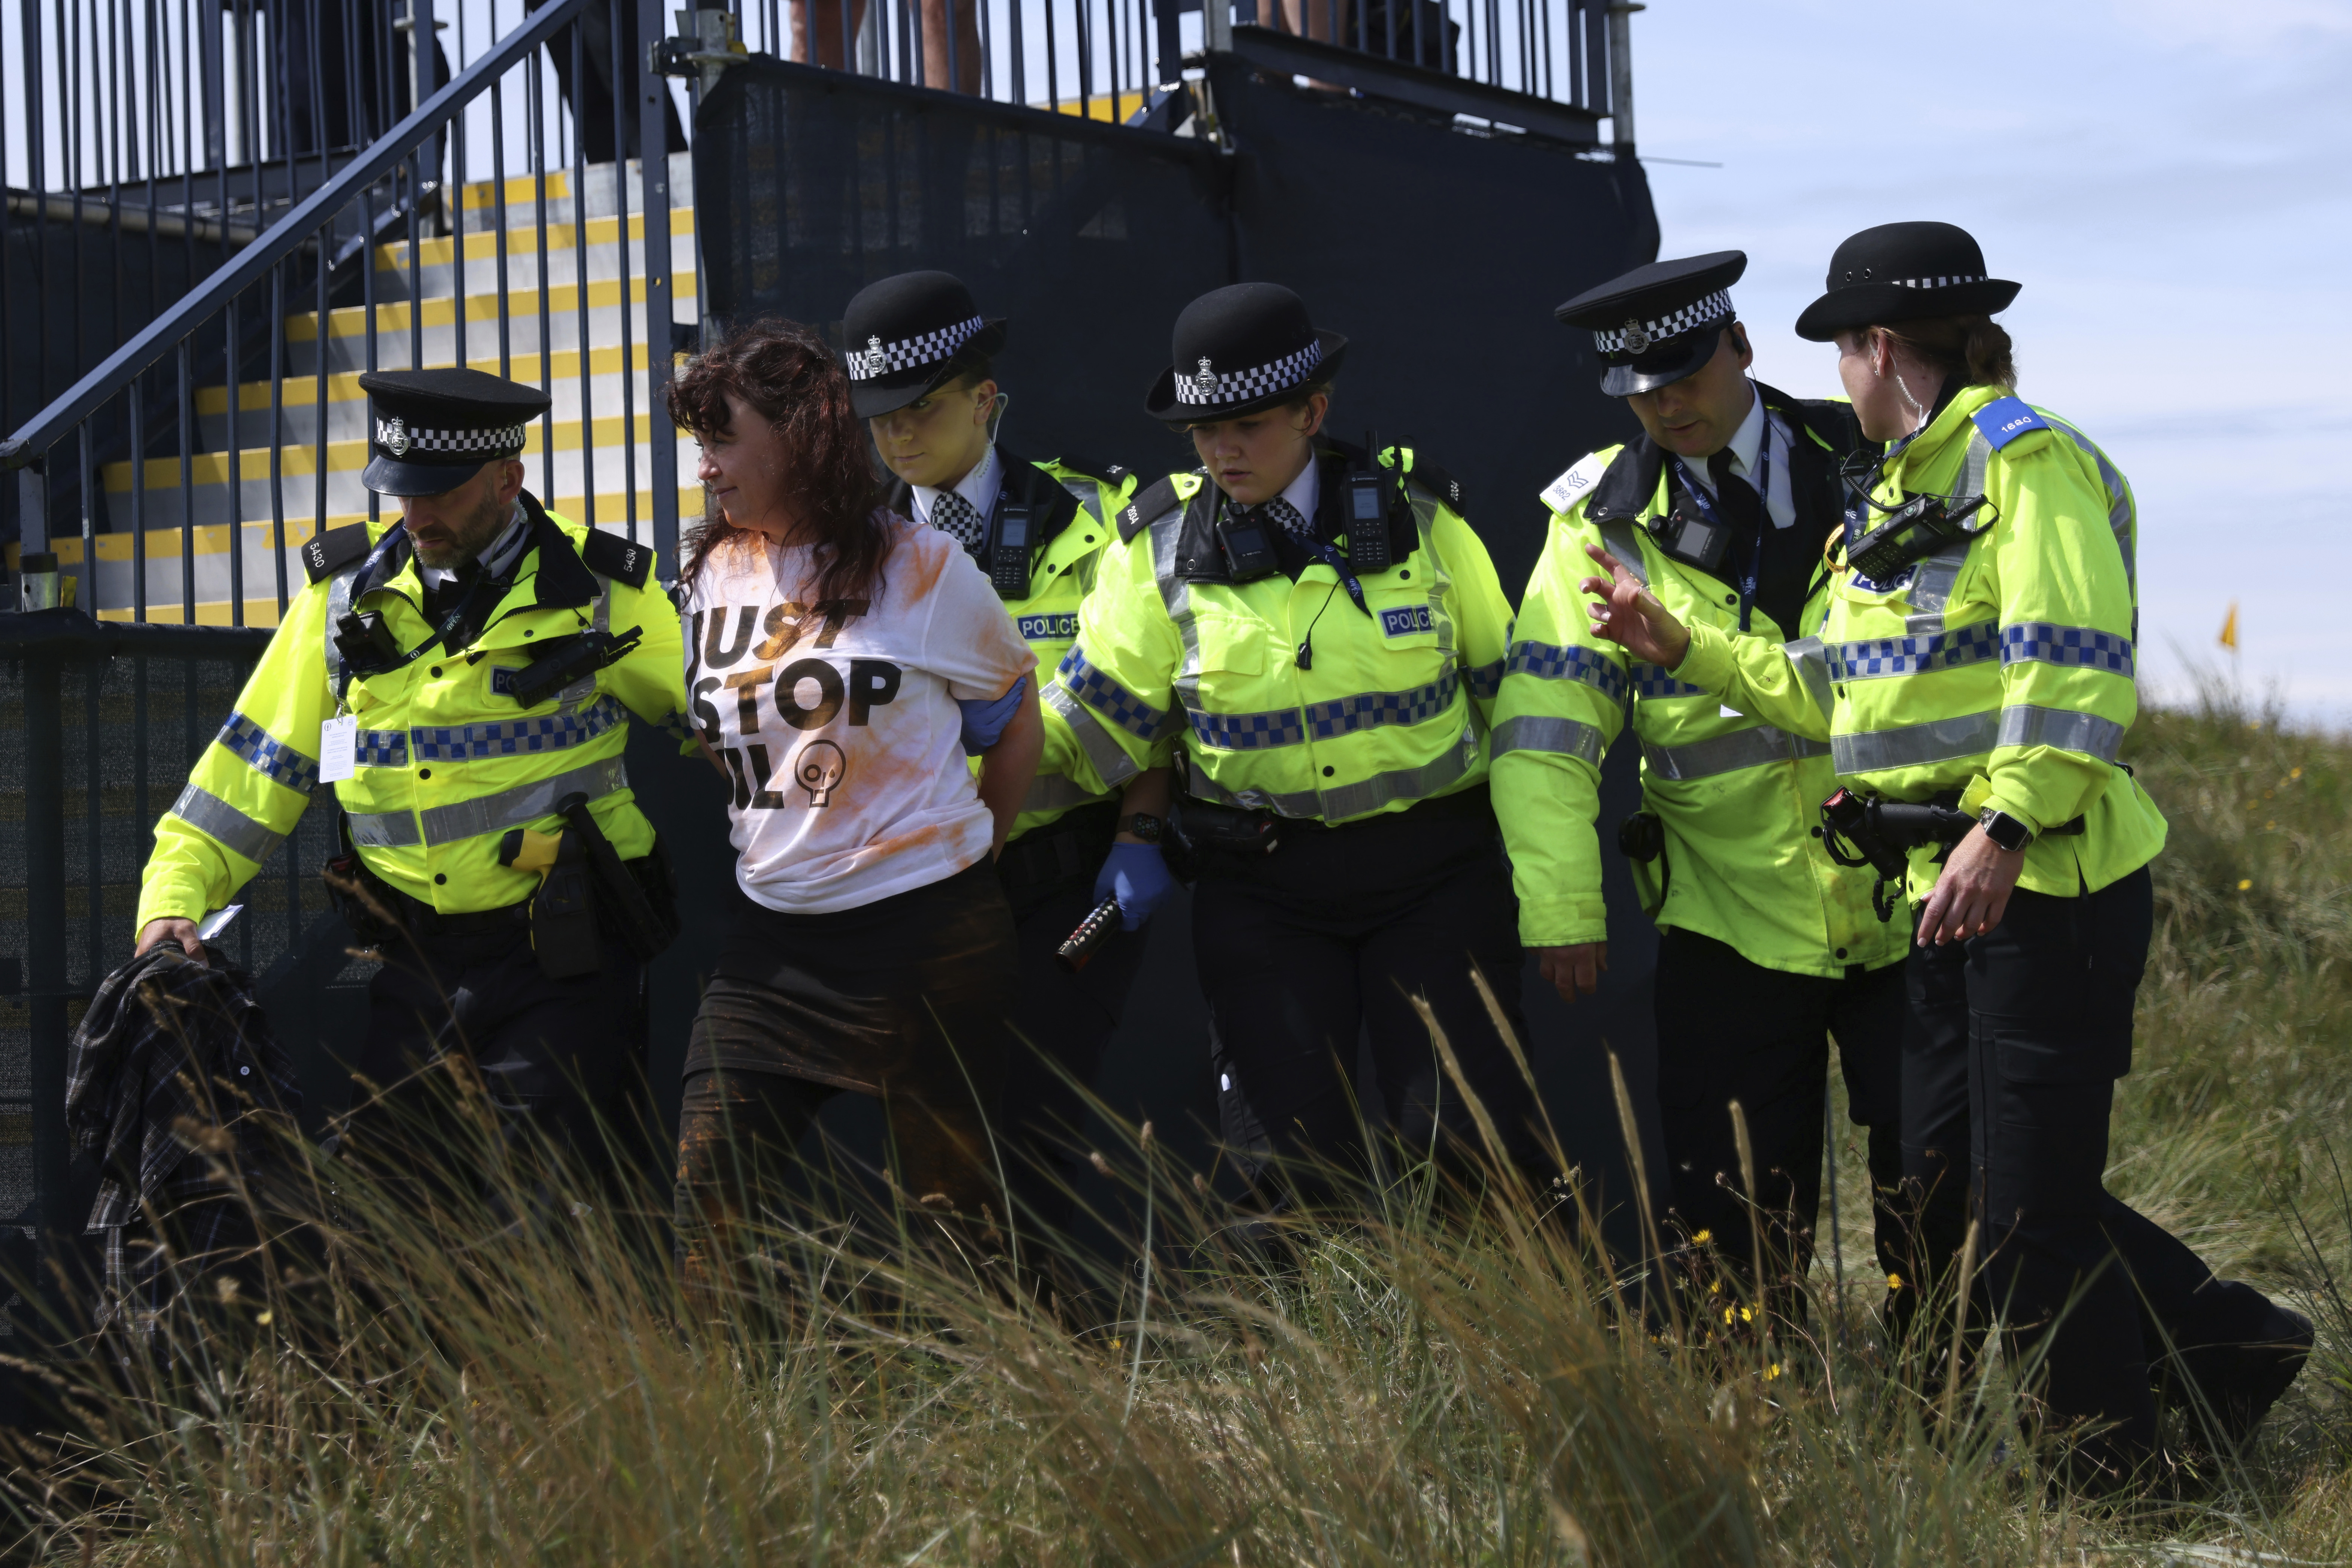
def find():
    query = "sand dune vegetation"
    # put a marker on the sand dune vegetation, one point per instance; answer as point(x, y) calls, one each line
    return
point(449, 1384)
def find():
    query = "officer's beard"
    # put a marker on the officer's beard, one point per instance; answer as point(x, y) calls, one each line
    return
point(466, 539)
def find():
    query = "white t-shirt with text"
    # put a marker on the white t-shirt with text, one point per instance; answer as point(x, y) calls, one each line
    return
point(840, 733)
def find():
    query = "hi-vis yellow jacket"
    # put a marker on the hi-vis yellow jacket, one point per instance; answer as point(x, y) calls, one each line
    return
point(447, 761)
point(1072, 504)
point(2001, 666)
point(1738, 799)
point(1176, 662)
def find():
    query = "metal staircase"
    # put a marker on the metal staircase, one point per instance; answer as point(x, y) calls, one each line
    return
point(436, 304)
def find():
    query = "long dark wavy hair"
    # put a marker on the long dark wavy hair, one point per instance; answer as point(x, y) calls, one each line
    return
point(783, 372)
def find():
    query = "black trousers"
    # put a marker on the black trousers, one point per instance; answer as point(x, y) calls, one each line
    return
point(1730, 1029)
point(1301, 951)
point(553, 1056)
point(2015, 1041)
point(1062, 1021)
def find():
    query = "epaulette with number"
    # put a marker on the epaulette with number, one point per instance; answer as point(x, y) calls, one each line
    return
point(610, 555)
point(1102, 473)
point(1148, 506)
point(2004, 420)
point(330, 551)
point(1435, 481)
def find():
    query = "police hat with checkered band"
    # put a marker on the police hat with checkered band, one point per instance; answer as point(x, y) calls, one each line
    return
point(1903, 272)
point(1657, 324)
point(1239, 350)
point(907, 336)
point(432, 430)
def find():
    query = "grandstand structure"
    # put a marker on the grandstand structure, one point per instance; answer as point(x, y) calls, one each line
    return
point(220, 213)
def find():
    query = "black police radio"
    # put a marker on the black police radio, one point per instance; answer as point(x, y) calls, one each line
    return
point(1008, 562)
point(1369, 492)
point(1913, 531)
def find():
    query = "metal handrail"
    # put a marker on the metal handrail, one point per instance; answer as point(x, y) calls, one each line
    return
point(281, 239)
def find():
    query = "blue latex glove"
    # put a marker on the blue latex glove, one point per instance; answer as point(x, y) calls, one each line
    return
point(1139, 878)
point(985, 718)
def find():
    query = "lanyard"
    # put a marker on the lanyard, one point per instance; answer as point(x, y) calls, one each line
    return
point(1762, 486)
point(1337, 563)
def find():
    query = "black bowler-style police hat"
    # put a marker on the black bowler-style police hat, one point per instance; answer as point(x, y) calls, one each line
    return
point(433, 429)
point(1241, 349)
point(1903, 272)
point(906, 335)
point(1659, 323)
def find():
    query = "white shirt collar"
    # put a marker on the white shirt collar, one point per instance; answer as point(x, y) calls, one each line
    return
point(494, 561)
point(1306, 490)
point(978, 486)
point(1747, 449)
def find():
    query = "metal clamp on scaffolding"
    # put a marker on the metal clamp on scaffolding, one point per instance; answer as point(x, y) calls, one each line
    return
point(711, 42)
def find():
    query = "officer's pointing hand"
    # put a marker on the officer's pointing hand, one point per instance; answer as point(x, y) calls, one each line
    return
point(1573, 971)
point(171, 928)
point(1628, 613)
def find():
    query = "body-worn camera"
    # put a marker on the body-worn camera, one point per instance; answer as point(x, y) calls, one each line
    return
point(1249, 554)
point(1691, 539)
point(1914, 530)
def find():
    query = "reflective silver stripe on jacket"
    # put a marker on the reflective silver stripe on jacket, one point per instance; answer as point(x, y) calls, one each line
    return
point(2087, 734)
point(581, 692)
point(231, 828)
point(339, 603)
point(1916, 745)
point(1348, 800)
point(487, 814)
point(1109, 759)
point(1812, 662)
point(1056, 792)
point(2119, 506)
point(1729, 754)
point(1932, 579)
point(1548, 734)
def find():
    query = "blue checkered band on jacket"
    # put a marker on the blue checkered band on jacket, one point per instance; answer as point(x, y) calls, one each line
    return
point(515, 737)
point(1371, 710)
point(1884, 657)
point(1109, 698)
point(381, 749)
point(272, 758)
point(1242, 385)
point(1485, 679)
point(879, 359)
point(1673, 323)
point(1652, 682)
point(2038, 641)
point(1589, 666)
point(505, 440)
point(1249, 731)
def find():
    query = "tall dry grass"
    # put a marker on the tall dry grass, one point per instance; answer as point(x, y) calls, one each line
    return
point(452, 1385)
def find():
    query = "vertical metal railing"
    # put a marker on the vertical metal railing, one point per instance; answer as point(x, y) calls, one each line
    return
point(1103, 58)
point(185, 442)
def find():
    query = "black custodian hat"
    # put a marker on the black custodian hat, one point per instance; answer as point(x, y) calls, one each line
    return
point(433, 429)
point(907, 334)
point(1903, 272)
point(1656, 324)
point(1241, 349)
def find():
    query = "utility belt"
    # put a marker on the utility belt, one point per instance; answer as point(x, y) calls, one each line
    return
point(1882, 834)
point(586, 891)
point(1204, 835)
point(1070, 849)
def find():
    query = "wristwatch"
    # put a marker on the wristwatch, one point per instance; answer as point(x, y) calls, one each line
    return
point(1135, 825)
point(2005, 831)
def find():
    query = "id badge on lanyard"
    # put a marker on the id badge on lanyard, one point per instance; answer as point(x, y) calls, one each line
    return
point(1763, 488)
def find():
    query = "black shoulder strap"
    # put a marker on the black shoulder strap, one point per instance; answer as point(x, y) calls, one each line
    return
point(332, 551)
point(1153, 503)
point(1102, 473)
point(1630, 482)
point(1436, 483)
point(610, 555)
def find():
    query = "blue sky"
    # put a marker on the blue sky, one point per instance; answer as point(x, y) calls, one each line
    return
point(2171, 179)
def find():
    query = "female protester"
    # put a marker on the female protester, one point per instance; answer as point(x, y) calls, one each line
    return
point(1976, 655)
point(840, 663)
point(1311, 636)
point(923, 383)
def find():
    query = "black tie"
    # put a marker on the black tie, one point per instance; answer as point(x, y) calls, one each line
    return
point(1743, 508)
